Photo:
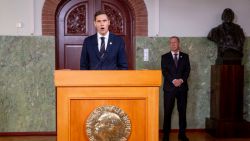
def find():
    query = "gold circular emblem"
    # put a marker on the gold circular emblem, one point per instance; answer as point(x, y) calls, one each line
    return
point(108, 123)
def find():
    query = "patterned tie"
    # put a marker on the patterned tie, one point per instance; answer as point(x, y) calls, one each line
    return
point(175, 59)
point(102, 49)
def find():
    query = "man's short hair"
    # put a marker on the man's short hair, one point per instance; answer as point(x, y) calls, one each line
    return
point(178, 39)
point(100, 12)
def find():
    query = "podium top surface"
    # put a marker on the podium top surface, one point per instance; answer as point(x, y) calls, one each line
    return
point(93, 78)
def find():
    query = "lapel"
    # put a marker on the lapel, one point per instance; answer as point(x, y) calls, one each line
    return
point(170, 57)
point(180, 58)
point(95, 46)
point(110, 43)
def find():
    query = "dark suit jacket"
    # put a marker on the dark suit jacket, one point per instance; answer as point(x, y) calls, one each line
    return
point(170, 72)
point(114, 57)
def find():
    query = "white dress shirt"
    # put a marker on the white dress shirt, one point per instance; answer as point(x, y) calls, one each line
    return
point(173, 54)
point(99, 40)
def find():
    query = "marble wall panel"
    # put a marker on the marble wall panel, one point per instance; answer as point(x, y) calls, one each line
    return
point(27, 94)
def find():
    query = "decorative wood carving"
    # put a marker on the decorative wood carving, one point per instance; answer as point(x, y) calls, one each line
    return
point(76, 22)
point(117, 22)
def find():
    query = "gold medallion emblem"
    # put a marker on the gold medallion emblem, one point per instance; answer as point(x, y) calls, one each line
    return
point(108, 123)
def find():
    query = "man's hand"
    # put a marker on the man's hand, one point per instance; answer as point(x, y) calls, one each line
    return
point(177, 82)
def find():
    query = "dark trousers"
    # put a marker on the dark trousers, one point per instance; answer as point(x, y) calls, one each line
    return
point(169, 102)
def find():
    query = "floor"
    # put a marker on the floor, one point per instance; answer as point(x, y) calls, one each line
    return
point(193, 136)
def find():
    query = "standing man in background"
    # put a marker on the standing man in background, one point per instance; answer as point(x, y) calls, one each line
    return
point(175, 67)
point(103, 50)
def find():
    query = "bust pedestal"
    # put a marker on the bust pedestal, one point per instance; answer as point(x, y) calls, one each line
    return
point(226, 104)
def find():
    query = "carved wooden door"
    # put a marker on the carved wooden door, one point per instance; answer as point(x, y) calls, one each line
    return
point(74, 22)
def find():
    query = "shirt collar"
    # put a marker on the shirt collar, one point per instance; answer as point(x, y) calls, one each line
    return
point(178, 52)
point(106, 36)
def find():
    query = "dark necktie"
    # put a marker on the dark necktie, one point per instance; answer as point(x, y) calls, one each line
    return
point(175, 59)
point(102, 49)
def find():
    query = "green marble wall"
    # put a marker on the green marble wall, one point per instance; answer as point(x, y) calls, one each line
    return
point(27, 99)
point(27, 96)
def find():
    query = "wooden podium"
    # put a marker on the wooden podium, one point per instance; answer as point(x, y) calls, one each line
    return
point(80, 92)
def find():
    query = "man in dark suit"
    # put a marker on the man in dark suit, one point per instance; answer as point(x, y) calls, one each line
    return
point(175, 67)
point(103, 50)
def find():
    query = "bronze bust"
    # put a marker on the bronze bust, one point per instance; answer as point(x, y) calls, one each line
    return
point(229, 38)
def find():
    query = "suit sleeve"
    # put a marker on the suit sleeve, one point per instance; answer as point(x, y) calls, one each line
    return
point(163, 67)
point(122, 62)
point(164, 70)
point(84, 62)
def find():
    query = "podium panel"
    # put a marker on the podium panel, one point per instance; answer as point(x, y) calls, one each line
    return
point(135, 92)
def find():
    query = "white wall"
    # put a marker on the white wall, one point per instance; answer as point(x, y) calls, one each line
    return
point(153, 16)
point(195, 18)
point(24, 12)
point(185, 18)
point(38, 6)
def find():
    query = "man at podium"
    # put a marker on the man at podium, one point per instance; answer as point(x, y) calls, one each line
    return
point(103, 50)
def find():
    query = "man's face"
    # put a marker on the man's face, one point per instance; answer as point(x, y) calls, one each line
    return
point(174, 44)
point(102, 24)
point(228, 15)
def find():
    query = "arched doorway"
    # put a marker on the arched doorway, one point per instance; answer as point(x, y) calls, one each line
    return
point(74, 22)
